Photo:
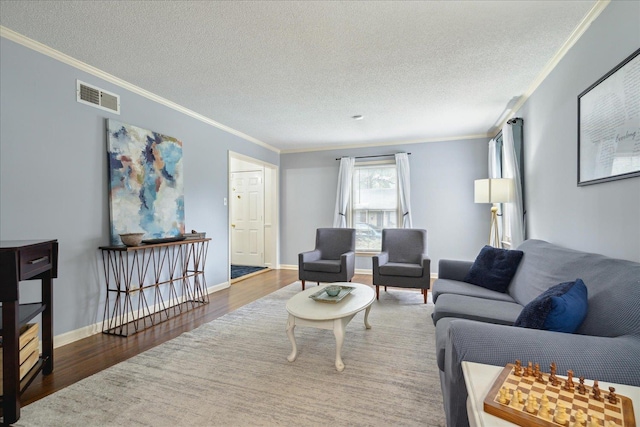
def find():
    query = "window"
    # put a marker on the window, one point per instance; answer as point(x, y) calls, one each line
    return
point(374, 203)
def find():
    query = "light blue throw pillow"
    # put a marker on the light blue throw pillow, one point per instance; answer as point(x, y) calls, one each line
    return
point(561, 308)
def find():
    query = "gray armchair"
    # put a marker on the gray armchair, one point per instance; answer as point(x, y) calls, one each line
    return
point(403, 261)
point(333, 259)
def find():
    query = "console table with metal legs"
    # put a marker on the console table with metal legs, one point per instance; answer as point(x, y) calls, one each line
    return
point(152, 283)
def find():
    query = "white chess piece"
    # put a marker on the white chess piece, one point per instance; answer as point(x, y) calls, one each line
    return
point(543, 412)
point(580, 419)
point(531, 403)
point(502, 398)
point(514, 399)
point(561, 413)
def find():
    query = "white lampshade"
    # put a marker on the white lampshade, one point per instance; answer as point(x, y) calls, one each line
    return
point(498, 190)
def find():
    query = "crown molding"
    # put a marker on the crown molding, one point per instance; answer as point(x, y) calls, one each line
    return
point(591, 16)
point(386, 144)
point(507, 115)
point(66, 59)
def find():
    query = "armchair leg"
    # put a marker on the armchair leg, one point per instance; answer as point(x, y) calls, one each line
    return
point(303, 285)
point(377, 292)
point(385, 289)
point(424, 293)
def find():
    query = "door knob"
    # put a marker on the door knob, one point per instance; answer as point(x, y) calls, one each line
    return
point(233, 226)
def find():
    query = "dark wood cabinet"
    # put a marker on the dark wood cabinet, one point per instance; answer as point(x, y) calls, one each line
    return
point(24, 260)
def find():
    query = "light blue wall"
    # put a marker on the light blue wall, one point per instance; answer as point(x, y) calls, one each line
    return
point(602, 218)
point(53, 174)
point(442, 175)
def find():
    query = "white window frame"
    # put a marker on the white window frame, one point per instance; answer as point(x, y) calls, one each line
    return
point(350, 210)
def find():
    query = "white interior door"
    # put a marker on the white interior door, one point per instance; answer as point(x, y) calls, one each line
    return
point(247, 218)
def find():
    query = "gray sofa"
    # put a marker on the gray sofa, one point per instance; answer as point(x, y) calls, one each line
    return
point(476, 324)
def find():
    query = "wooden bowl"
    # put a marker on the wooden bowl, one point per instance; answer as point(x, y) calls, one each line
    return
point(132, 239)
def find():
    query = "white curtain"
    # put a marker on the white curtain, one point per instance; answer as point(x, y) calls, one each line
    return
point(494, 160)
point(344, 192)
point(404, 188)
point(495, 171)
point(514, 211)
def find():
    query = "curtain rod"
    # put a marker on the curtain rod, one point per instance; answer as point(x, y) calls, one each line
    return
point(367, 157)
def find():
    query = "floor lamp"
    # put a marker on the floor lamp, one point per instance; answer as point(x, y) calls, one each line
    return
point(496, 190)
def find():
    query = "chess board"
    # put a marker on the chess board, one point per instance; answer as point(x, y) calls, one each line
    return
point(621, 413)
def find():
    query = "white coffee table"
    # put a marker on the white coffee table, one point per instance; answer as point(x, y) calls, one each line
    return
point(305, 311)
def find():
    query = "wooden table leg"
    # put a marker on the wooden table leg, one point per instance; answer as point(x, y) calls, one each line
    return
point(47, 323)
point(11, 365)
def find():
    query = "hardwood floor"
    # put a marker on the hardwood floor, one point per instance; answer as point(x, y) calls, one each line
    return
point(85, 357)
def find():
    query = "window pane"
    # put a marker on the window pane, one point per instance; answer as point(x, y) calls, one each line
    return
point(374, 204)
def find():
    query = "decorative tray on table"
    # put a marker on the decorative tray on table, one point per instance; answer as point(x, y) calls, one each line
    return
point(322, 295)
point(163, 240)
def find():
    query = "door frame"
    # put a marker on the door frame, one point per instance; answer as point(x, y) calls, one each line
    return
point(273, 192)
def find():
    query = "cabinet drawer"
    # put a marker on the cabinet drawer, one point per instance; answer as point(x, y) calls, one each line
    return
point(34, 260)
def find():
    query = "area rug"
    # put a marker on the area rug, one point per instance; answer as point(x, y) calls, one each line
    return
point(243, 270)
point(234, 372)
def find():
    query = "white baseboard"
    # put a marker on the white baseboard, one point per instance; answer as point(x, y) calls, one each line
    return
point(357, 271)
point(295, 267)
point(86, 331)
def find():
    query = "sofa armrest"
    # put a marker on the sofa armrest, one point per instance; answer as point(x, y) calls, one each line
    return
point(608, 359)
point(453, 269)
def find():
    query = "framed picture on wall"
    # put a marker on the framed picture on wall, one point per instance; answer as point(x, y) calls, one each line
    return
point(609, 125)
point(146, 184)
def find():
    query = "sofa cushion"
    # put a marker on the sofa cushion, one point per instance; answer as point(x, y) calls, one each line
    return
point(444, 286)
point(611, 283)
point(326, 266)
point(494, 268)
point(480, 309)
point(561, 308)
point(401, 269)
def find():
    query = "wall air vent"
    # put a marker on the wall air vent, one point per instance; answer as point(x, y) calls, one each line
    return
point(97, 97)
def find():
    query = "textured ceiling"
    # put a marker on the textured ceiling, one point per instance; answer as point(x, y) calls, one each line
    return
point(292, 74)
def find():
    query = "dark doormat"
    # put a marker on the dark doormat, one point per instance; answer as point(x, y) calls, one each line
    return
point(243, 270)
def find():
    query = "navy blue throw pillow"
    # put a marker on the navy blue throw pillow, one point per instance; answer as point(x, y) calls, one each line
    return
point(561, 308)
point(494, 268)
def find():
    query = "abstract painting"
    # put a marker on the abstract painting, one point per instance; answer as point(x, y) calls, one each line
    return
point(146, 192)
